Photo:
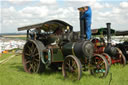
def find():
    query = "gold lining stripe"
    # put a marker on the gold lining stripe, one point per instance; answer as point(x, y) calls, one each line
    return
point(73, 49)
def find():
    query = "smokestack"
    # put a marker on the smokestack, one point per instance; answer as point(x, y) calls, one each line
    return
point(108, 33)
point(82, 27)
point(111, 50)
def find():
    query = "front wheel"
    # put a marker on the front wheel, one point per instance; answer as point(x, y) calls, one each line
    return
point(100, 66)
point(108, 58)
point(71, 68)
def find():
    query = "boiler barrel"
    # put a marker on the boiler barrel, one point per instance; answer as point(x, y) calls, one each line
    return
point(81, 49)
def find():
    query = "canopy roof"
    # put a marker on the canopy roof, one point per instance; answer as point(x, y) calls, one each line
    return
point(48, 26)
point(121, 33)
point(101, 31)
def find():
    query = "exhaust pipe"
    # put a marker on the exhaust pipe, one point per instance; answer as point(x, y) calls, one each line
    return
point(110, 49)
point(108, 33)
point(82, 27)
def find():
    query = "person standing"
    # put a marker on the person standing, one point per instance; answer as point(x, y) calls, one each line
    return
point(88, 18)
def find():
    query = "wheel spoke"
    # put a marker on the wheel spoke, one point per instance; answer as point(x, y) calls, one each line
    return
point(37, 60)
point(68, 63)
point(74, 63)
point(31, 65)
point(34, 67)
point(27, 54)
point(101, 63)
point(29, 68)
point(36, 54)
point(32, 46)
point(34, 51)
point(29, 49)
point(28, 62)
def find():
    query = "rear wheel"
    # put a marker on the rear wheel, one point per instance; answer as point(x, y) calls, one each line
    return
point(31, 58)
point(100, 66)
point(120, 55)
point(71, 68)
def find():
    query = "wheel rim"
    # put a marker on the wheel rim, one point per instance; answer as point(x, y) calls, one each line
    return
point(108, 58)
point(31, 57)
point(100, 66)
point(72, 68)
point(120, 55)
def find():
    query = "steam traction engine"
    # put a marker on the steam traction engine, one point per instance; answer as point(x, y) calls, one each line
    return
point(123, 46)
point(112, 53)
point(53, 44)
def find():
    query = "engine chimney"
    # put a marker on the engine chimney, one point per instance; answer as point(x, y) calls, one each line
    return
point(110, 49)
point(108, 33)
point(82, 27)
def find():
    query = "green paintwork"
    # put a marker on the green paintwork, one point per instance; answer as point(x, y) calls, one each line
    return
point(67, 49)
point(57, 55)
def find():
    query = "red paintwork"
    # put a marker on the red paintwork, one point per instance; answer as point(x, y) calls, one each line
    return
point(115, 61)
point(99, 49)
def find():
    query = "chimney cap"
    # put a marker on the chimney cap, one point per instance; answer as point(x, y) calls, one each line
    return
point(108, 23)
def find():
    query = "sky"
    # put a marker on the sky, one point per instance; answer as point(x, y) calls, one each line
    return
point(18, 13)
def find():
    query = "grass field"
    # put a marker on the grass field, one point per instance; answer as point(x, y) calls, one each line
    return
point(4, 56)
point(12, 73)
point(22, 37)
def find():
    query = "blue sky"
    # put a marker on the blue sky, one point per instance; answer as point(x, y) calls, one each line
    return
point(18, 13)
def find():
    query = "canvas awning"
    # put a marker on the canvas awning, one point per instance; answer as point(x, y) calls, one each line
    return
point(48, 26)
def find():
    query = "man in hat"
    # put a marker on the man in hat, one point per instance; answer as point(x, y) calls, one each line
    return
point(88, 16)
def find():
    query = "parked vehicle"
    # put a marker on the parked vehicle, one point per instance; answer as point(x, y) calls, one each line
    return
point(54, 44)
point(112, 53)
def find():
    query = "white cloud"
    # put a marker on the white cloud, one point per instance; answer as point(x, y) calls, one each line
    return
point(80, 0)
point(124, 4)
point(19, 1)
point(27, 12)
point(9, 12)
point(66, 12)
point(15, 18)
point(93, 3)
point(107, 5)
point(117, 15)
point(27, 1)
point(41, 11)
point(97, 5)
point(116, 10)
point(48, 1)
point(102, 13)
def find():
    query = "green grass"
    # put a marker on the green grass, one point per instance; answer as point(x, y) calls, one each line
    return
point(22, 38)
point(12, 73)
point(4, 56)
